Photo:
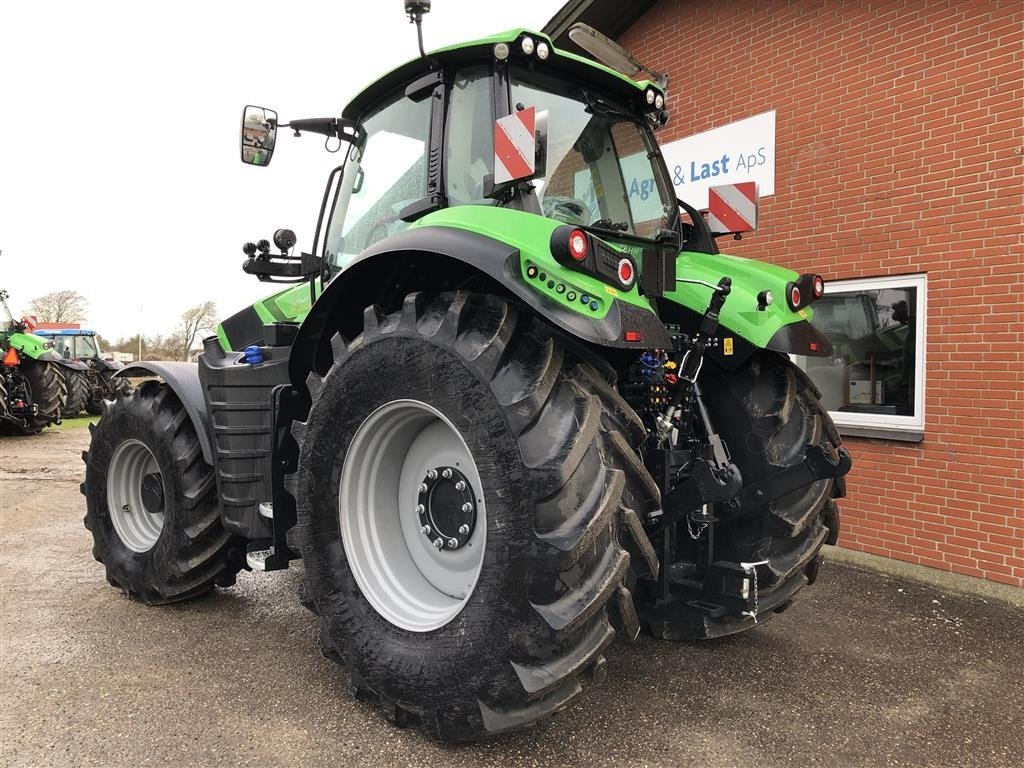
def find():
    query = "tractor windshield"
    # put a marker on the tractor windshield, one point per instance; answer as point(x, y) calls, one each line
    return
point(601, 169)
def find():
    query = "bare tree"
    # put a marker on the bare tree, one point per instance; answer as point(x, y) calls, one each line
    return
point(194, 320)
point(60, 307)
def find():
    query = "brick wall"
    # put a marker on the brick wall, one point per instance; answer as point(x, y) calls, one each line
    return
point(899, 140)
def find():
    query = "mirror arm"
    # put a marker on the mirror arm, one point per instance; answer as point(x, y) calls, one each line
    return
point(331, 127)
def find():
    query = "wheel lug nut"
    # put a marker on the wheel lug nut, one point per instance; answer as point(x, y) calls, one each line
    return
point(460, 486)
point(425, 530)
point(452, 543)
point(438, 543)
point(467, 507)
point(420, 509)
point(463, 529)
point(431, 474)
point(423, 488)
point(447, 474)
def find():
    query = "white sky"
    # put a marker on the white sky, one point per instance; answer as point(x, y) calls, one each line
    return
point(119, 169)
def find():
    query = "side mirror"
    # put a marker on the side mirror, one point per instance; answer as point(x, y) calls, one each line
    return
point(259, 133)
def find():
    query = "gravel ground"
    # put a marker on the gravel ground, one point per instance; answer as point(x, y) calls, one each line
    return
point(865, 669)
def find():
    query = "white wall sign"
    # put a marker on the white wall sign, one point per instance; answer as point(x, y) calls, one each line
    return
point(740, 151)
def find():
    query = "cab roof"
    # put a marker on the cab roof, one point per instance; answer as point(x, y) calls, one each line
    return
point(561, 62)
point(63, 332)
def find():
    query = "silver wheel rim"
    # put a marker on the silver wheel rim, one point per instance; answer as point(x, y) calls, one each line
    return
point(407, 580)
point(137, 528)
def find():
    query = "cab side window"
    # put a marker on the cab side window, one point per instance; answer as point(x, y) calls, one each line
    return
point(469, 144)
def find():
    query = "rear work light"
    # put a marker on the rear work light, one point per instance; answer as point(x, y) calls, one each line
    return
point(805, 291)
point(581, 251)
point(626, 272)
point(578, 245)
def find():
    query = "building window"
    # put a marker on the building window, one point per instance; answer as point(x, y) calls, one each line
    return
point(873, 385)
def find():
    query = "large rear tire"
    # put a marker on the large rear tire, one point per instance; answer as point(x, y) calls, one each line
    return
point(48, 392)
point(767, 413)
point(555, 487)
point(77, 383)
point(151, 502)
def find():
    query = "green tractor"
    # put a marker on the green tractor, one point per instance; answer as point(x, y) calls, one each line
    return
point(507, 411)
point(33, 391)
point(93, 378)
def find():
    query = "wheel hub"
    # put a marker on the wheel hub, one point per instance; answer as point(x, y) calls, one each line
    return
point(446, 508)
point(153, 493)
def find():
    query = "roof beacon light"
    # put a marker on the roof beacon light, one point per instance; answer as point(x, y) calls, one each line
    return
point(578, 245)
point(501, 51)
point(527, 45)
point(542, 50)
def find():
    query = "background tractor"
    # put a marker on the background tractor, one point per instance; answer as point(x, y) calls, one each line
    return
point(33, 392)
point(507, 411)
point(95, 378)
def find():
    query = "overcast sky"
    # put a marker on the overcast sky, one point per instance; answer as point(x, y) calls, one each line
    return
point(119, 169)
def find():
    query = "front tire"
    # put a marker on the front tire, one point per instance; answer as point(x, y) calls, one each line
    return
point(151, 502)
point(560, 499)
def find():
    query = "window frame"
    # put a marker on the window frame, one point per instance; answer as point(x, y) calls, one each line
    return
point(886, 426)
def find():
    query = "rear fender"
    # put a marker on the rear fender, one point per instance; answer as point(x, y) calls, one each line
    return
point(71, 365)
point(436, 259)
point(183, 381)
point(775, 327)
point(34, 347)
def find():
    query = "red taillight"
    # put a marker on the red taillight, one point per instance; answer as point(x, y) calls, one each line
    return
point(794, 296)
point(578, 246)
point(819, 287)
point(627, 272)
point(634, 336)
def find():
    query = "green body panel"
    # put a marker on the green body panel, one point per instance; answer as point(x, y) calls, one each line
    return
point(740, 314)
point(27, 344)
point(531, 234)
point(291, 305)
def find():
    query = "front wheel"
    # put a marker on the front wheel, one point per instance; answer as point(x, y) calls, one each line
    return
point(468, 509)
point(151, 501)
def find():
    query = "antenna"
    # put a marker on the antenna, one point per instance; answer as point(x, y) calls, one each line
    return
point(415, 10)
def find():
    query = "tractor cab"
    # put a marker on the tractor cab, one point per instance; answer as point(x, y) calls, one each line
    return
point(509, 122)
point(505, 122)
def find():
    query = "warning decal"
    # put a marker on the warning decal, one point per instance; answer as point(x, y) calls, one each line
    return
point(733, 207)
point(515, 146)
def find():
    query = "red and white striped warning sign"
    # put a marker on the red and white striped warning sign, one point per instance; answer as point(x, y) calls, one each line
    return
point(733, 207)
point(515, 146)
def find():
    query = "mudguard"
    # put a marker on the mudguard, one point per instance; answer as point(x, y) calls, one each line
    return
point(183, 379)
point(109, 365)
point(439, 250)
point(72, 365)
